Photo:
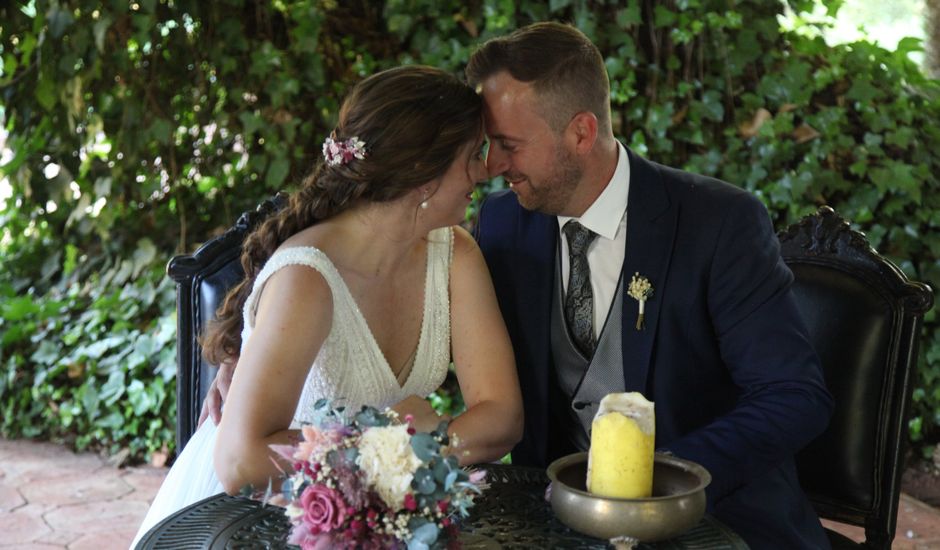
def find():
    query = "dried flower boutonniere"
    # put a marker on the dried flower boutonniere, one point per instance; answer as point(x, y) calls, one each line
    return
point(640, 290)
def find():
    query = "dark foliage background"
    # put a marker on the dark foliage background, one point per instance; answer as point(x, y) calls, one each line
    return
point(137, 130)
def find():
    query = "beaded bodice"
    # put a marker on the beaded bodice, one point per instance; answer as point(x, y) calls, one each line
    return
point(350, 369)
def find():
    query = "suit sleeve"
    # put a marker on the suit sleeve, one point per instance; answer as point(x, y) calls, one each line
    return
point(783, 402)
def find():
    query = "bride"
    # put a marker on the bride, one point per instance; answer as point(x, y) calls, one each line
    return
point(362, 290)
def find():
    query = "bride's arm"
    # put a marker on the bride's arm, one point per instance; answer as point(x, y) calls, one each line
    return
point(486, 369)
point(293, 319)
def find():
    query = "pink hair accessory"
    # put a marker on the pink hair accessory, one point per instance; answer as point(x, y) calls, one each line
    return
point(343, 151)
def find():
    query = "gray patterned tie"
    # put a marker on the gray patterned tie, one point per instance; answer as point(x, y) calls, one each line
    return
point(579, 300)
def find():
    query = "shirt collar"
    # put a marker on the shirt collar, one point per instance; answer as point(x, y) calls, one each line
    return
point(605, 214)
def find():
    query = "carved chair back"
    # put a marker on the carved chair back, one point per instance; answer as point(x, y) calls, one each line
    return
point(864, 317)
point(203, 278)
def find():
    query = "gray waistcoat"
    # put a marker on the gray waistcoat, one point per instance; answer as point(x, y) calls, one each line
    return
point(586, 384)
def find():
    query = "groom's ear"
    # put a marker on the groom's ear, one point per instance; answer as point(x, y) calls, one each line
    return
point(582, 131)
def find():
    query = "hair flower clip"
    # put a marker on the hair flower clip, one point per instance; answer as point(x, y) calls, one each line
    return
point(640, 290)
point(343, 151)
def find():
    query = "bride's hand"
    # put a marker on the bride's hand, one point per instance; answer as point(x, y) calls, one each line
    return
point(425, 418)
point(218, 391)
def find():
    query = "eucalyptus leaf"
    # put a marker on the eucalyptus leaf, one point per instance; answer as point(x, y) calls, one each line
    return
point(426, 534)
point(450, 480)
point(423, 481)
point(424, 446)
point(369, 417)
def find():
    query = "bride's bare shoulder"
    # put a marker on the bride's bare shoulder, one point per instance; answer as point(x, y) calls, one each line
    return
point(465, 246)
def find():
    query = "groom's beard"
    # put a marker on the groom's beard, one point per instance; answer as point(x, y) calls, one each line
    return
point(552, 195)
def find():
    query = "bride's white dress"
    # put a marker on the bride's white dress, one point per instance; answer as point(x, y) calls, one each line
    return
point(350, 368)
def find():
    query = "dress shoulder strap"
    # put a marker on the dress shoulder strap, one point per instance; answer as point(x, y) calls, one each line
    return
point(433, 354)
point(441, 241)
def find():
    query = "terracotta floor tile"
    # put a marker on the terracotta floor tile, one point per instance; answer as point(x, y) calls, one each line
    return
point(113, 540)
point(22, 526)
point(58, 537)
point(49, 461)
point(145, 480)
point(76, 487)
point(855, 533)
point(32, 546)
point(10, 498)
point(96, 517)
point(918, 526)
point(919, 519)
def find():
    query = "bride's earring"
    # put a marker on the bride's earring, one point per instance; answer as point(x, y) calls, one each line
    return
point(424, 203)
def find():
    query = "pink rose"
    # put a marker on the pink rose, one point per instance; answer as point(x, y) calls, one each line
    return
point(324, 509)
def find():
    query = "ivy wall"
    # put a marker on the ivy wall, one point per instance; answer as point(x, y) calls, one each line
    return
point(137, 130)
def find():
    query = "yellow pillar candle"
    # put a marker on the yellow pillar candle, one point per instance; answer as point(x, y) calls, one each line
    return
point(620, 461)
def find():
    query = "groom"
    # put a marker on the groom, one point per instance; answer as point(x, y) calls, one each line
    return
point(715, 341)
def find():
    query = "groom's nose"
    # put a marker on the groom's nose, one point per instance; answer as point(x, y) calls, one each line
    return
point(497, 162)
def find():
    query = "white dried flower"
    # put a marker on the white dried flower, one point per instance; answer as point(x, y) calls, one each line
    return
point(388, 462)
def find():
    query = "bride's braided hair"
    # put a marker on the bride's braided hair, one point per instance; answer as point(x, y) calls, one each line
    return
point(413, 120)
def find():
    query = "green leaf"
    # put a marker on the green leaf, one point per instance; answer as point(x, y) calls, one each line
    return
point(161, 130)
point(17, 309)
point(903, 137)
point(144, 255)
point(47, 354)
point(909, 44)
point(9, 65)
point(277, 172)
point(90, 399)
point(45, 93)
point(713, 106)
point(112, 421)
point(100, 30)
point(97, 348)
point(663, 16)
point(251, 123)
point(58, 20)
point(629, 16)
point(113, 389)
point(896, 175)
point(140, 399)
point(862, 91)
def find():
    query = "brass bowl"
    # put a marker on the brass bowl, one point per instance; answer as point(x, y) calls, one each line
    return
point(677, 504)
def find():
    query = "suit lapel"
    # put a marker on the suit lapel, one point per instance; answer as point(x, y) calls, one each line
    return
point(534, 274)
point(538, 234)
point(651, 226)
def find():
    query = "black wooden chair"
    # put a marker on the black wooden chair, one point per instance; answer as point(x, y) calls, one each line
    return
point(202, 281)
point(864, 317)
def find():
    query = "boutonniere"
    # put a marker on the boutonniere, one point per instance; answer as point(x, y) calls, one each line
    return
point(640, 290)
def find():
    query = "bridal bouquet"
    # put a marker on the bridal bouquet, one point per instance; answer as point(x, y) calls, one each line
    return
point(367, 481)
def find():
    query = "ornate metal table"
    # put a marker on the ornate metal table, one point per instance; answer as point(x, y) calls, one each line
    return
point(512, 513)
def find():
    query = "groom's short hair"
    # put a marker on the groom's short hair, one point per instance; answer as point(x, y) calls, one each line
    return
point(564, 67)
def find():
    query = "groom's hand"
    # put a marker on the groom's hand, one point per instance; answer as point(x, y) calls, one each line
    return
point(218, 391)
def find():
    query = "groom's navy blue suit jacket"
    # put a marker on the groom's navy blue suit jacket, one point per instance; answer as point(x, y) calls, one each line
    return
point(724, 354)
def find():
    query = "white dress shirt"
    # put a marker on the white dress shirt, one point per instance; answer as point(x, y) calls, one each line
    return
point(607, 217)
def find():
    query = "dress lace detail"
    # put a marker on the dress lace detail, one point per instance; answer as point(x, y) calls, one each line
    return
point(350, 368)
